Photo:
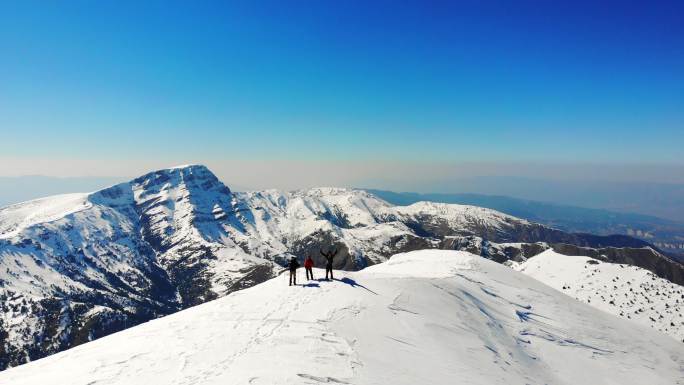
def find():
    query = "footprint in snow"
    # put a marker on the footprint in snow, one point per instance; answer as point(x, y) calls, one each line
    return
point(324, 380)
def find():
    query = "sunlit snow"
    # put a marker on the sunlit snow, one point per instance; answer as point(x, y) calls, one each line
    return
point(425, 317)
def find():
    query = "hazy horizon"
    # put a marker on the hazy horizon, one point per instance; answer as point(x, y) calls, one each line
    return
point(665, 200)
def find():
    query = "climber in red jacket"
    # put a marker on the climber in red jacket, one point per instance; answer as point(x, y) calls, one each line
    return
point(308, 266)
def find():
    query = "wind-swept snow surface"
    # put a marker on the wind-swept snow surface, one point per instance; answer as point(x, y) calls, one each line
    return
point(425, 317)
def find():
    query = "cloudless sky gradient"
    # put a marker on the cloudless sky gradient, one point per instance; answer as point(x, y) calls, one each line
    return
point(536, 82)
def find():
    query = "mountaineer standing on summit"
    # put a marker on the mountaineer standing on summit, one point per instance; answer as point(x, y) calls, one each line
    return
point(293, 265)
point(308, 266)
point(329, 256)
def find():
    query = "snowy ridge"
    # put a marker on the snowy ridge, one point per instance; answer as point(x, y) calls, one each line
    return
point(367, 226)
point(284, 218)
point(626, 291)
point(432, 317)
point(460, 214)
point(17, 217)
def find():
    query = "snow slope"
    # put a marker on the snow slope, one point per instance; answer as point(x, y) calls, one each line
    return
point(627, 291)
point(425, 317)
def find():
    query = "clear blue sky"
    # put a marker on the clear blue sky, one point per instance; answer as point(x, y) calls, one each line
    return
point(310, 81)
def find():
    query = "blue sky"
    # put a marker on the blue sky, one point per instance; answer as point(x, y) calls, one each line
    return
point(84, 85)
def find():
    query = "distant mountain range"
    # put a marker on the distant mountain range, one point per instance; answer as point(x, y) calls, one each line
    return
point(663, 200)
point(667, 235)
point(76, 267)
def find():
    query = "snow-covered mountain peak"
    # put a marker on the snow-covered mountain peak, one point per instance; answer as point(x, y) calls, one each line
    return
point(343, 207)
point(329, 191)
point(452, 318)
point(197, 177)
point(451, 209)
point(342, 197)
point(187, 165)
point(173, 204)
point(174, 183)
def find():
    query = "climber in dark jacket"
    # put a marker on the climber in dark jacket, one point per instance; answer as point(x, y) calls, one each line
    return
point(329, 256)
point(293, 265)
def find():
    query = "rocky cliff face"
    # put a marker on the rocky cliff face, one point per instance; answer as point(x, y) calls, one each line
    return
point(76, 267)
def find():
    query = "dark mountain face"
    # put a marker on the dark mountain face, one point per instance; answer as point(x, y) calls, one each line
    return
point(677, 257)
point(75, 268)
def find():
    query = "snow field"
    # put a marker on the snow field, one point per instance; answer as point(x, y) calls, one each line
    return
point(626, 291)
